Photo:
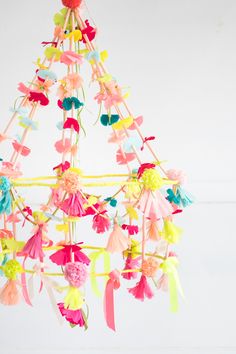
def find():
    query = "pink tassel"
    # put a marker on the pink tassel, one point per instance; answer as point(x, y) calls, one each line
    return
point(163, 283)
point(74, 205)
point(141, 290)
point(117, 242)
point(131, 263)
point(33, 247)
point(9, 294)
point(100, 223)
point(154, 205)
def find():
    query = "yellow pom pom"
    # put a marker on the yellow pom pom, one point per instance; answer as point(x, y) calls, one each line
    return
point(12, 268)
point(152, 180)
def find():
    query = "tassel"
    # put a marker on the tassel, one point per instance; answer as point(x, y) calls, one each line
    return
point(63, 256)
point(170, 232)
point(74, 317)
point(131, 263)
point(132, 229)
point(101, 223)
point(142, 289)
point(73, 300)
point(9, 294)
point(33, 247)
point(5, 198)
point(154, 205)
point(117, 241)
point(185, 198)
point(74, 205)
point(153, 231)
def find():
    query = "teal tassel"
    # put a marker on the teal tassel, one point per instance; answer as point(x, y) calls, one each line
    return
point(180, 197)
point(107, 120)
point(185, 198)
point(5, 198)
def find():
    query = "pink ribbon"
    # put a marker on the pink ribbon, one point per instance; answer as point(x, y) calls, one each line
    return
point(112, 284)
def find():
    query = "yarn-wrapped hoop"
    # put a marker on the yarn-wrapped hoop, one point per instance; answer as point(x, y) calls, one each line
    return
point(72, 4)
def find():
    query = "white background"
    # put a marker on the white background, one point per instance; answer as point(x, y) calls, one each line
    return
point(179, 58)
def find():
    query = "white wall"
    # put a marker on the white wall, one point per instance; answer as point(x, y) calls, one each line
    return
point(178, 56)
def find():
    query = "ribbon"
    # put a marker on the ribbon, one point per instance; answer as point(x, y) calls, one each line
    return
point(169, 268)
point(94, 257)
point(49, 286)
point(112, 284)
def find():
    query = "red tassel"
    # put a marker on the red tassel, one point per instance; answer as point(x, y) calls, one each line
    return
point(141, 290)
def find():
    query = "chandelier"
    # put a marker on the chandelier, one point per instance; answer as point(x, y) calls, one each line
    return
point(136, 220)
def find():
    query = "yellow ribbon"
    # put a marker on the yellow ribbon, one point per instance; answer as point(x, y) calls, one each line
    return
point(94, 257)
point(169, 268)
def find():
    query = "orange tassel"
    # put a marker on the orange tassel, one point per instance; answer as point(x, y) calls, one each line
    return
point(153, 232)
point(9, 294)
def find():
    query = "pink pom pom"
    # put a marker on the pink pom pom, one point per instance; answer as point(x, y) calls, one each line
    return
point(9, 294)
point(176, 175)
point(76, 274)
point(141, 290)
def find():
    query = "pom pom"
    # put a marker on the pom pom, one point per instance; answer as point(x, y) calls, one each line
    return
point(76, 274)
point(170, 232)
point(150, 267)
point(70, 182)
point(9, 294)
point(12, 268)
point(117, 242)
point(152, 180)
point(141, 290)
point(72, 4)
point(176, 175)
